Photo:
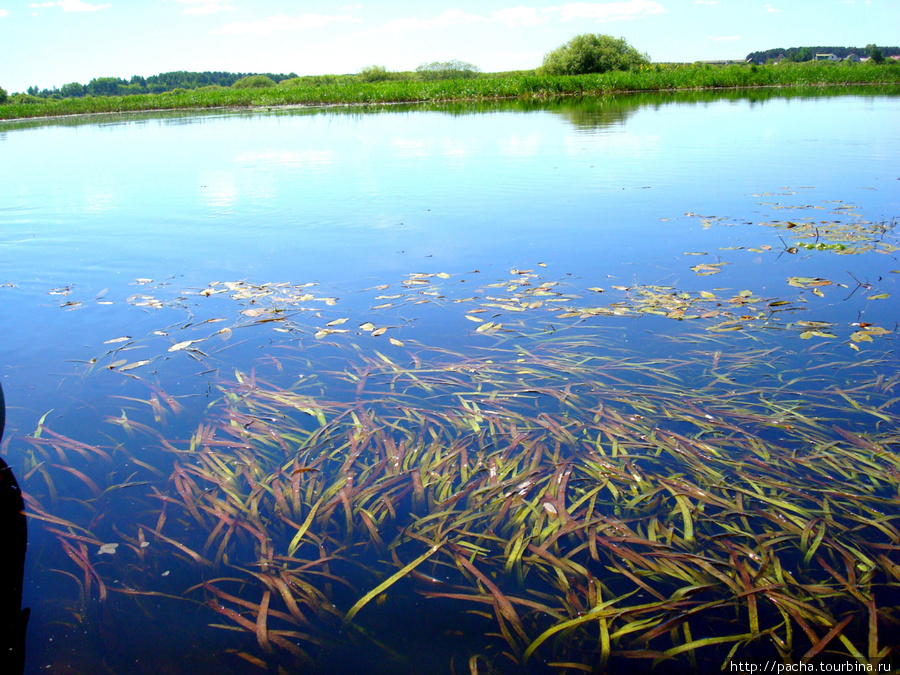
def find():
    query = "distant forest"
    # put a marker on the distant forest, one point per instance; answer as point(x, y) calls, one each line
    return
point(809, 53)
point(155, 84)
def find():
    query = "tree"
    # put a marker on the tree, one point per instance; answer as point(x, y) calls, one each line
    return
point(875, 53)
point(72, 90)
point(3, 95)
point(591, 53)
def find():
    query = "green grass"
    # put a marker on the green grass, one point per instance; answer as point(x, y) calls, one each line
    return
point(337, 90)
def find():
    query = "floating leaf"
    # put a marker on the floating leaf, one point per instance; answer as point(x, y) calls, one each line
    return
point(807, 282)
point(368, 326)
point(178, 346)
point(705, 269)
point(136, 364)
point(337, 322)
point(395, 342)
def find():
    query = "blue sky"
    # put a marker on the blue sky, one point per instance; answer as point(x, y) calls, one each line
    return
point(50, 43)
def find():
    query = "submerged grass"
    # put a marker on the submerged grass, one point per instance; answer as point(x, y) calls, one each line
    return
point(524, 85)
point(545, 498)
point(618, 516)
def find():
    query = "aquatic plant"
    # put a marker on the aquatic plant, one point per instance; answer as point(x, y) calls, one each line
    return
point(539, 494)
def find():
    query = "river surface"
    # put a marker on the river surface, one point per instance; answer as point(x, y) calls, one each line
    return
point(250, 304)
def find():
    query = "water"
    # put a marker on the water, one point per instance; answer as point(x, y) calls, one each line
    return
point(647, 273)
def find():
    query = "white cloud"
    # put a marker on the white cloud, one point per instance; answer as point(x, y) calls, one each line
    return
point(771, 9)
point(455, 17)
point(530, 16)
point(205, 6)
point(520, 16)
point(281, 22)
point(609, 11)
point(71, 6)
point(4, 12)
point(451, 17)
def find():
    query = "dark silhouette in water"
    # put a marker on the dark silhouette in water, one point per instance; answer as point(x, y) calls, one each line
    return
point(13, 541)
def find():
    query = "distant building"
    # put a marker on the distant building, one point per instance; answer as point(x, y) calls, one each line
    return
point(827, 57)
point(852, 57)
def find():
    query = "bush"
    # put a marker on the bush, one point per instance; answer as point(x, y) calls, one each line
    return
point(254, 82)
point(591, 53)
point(374, 74)
point(3, 95)
point(24, 98)
point(447, 70)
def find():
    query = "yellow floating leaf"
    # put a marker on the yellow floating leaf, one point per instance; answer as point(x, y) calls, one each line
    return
point(329, 331)
point(880, 296)
point(379, 331)
point(337, 322)
point(474, 318)
point(124, 338)
point(396, 342)
point(368, 326)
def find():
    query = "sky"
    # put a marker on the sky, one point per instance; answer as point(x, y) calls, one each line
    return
point(51, 43)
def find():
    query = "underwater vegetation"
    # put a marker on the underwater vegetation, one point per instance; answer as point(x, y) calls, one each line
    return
point(541, 484)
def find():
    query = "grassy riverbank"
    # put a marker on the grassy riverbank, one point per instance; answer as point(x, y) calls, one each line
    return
point(349, 89)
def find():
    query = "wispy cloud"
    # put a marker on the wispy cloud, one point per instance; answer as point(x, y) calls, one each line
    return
point(772, 10)
point(205, 6)
point(609, 11)
point(452, 17)
point(281, 23)
point(4, 12)
point(520, 16)
point(70, 5)
point(530, 16)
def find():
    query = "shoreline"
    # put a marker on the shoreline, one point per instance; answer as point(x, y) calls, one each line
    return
point(532, 95)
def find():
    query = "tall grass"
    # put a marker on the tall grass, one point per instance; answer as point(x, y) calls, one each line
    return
point(334, 90)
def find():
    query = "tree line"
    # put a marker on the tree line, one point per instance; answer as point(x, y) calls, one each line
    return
point(799, 54)
point(155, 84)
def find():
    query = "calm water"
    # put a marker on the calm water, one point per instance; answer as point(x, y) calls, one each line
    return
point(678, 232)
